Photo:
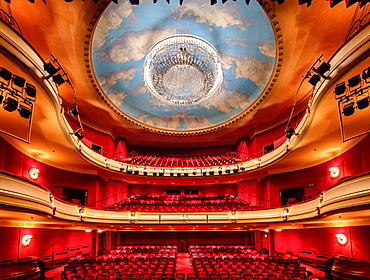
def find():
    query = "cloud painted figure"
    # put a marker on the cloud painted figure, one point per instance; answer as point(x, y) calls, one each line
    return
point(241, 33)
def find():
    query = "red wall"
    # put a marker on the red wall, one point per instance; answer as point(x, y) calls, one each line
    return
point(203, 190)
point(193, 238)
point(323, 241)
point(44, 242)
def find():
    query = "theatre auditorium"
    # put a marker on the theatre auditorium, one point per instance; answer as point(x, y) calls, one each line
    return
point(184, 139)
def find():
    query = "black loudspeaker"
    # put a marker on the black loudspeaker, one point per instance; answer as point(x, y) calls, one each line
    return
point(96, 148)
point(268, 148)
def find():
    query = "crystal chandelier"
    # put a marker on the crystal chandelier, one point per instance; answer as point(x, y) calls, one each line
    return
point(183, 70)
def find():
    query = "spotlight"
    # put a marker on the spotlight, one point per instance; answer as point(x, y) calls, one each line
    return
point(50, 68)
point(171, 174)
point(354, 81)
point(30, 90)
point(314, 79)
point(348, 109)
point(19, 81)
point(366, 73)
point(129, 171)
point(78, 135)
point(178, 174)
point(186, 174)
point(334, 2)
point(242, 168)
point(58, 79)
point(73, 112)
point(363, 103)
point(340, 89)
point(247, 2)
point(279, 1)
point(145, 173)
point(224, 1)
point(5, 74)
point(10, 104)
point(211, 173)
point(289, 132)
point(134, 2)
point(161, 174)
point(204, 173)
point(235, 170)
point(213, 2)
point(323, 68)
point(220, 172)
point(25, 112)
point(136, 172)
point(227, 171)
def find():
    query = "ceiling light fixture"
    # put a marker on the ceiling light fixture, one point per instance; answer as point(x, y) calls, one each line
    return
point(183, 70)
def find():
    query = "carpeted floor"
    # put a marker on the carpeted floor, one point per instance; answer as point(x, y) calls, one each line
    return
point(183, 263)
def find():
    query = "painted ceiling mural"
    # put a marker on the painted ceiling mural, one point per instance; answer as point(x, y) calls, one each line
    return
point(242, 35)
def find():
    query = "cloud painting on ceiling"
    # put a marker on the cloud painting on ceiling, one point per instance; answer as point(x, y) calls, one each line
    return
point(242, 35)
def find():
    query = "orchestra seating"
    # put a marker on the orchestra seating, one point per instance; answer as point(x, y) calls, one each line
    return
point(125, 262)
point(243, 262)
point(159, 262)
point(182, 203)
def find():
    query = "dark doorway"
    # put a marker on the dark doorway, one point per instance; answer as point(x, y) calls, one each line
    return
point(182, 242)
point(292, 194)
point(75, 195)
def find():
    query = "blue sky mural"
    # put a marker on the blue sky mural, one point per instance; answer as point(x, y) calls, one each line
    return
point(241, 33)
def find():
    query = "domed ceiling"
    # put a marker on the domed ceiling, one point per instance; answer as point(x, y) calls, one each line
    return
point(241, 34)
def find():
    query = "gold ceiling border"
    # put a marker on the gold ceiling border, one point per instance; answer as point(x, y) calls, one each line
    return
point(95, 84)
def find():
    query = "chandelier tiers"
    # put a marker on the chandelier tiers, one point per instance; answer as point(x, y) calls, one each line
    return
point(183, 70)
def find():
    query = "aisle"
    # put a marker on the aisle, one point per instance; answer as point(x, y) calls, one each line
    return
point(183, 263)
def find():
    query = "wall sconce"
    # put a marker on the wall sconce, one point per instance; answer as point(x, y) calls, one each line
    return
point(26, 239)
point(88, 230)
point(34, 173)
point(334, 171)
point(341, 238)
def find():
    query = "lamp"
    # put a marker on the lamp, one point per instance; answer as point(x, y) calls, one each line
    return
point(58, 79)
point(334, 171)
point(340, 89)
point(314, 79)
point(354, 81)
point(5, 74)
point(362, 101)
point(289, 132)
point(366, 73)
point(26, 239)
point(348, 109)
point(34, 173)
point(30, 90)
point(19, 81)
point(10, 104)
point(323, 68)
point(78, 134)
point(73, 112)
point(50, 68)
point(25, 111)
point(341, 238)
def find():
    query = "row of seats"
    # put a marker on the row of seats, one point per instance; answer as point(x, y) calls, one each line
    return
point(182, 203)
point(232, 262)
point(171, 161)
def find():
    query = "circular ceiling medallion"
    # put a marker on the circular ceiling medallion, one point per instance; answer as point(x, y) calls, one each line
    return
point(184, 69)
